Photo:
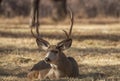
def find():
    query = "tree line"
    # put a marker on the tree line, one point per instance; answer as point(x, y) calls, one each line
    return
point(81, 8)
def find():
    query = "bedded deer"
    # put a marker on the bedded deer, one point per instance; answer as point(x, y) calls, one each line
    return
point(60, 64)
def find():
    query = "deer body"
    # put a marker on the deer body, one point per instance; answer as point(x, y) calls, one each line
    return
point(64, 68)
point(61, 68)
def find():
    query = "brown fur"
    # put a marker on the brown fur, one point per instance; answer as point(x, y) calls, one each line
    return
point(63, 67)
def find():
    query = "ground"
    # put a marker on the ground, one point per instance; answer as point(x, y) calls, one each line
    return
point(96, 48)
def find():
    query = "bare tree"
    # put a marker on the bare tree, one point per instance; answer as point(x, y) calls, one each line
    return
point(0, 1)
point(35, 13)
point(59, 11)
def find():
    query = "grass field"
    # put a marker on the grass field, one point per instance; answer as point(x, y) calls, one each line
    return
point(96, 48)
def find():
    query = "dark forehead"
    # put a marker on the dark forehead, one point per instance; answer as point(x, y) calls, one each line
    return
point(52, 47)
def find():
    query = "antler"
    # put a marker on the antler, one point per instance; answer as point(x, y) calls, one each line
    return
point(71, 26)
point(37, 31)
point(38, 37)
point(66, 43)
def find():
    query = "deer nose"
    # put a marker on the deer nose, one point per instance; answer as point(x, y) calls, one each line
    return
point(47, 59)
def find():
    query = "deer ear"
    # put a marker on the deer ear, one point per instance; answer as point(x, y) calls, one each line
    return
point(42, 44)
point(65, 44)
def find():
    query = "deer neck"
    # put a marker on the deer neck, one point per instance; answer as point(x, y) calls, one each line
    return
point(62, 64)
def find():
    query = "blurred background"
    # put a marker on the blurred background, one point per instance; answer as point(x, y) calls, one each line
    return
point(82, 9)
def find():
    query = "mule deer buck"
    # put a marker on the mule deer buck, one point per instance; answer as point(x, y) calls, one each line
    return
point(57, 64)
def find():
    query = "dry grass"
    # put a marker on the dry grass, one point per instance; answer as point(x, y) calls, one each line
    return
point(96, 48)
point(48, 20)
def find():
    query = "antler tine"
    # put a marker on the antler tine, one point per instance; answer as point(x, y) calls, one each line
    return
point(37, 31)
point(33, 33)
point(66, 33)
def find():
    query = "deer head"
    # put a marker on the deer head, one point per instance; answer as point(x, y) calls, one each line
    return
point(54, 51)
